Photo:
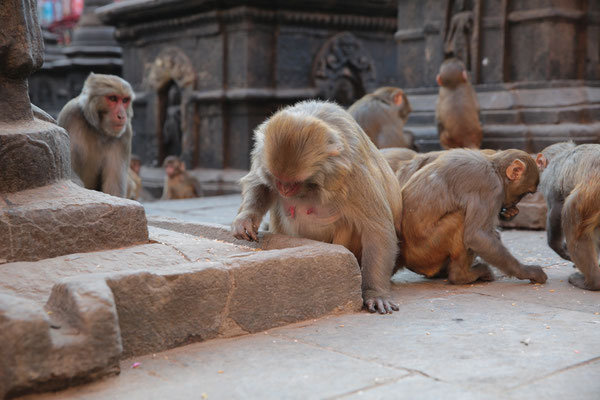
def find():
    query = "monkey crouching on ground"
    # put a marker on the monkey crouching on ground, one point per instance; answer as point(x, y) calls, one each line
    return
point(178, 183)
point(382, 115)
point(99, 125)
point(457, 108)
point(450, 214)
point(570, 182)
point(320, 177)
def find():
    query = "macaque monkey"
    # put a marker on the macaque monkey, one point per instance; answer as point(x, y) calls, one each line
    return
point(395, 156)
point(178, 183)
point(457, 108)
point(450, 214)
point(134, 181)
point(99, 125)
point(382, 115)
point(320, 177)
point(570, 182)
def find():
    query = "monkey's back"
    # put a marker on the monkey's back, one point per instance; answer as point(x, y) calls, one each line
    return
point(457, 111)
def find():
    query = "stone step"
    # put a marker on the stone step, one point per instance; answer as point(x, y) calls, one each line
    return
point(180, 288)
point(64, 218)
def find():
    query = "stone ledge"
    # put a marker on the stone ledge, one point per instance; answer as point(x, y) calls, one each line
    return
point(219, 289)
point(64, 218)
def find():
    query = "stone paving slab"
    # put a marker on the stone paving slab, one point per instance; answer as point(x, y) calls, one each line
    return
point(179, 289)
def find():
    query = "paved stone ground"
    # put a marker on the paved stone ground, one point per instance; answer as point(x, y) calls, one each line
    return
point(506, 339)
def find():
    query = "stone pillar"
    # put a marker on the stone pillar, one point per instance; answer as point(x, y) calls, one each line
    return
point(42, 213)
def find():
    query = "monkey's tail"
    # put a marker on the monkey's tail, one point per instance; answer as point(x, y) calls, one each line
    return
point(582, 207)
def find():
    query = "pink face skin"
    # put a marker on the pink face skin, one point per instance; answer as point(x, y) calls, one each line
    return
point(287, 187)
point(117, 111)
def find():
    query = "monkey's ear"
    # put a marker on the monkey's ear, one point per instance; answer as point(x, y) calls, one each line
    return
point(438, 79)
point(334, 145)
point(541, 161)
point(398, 98)
point(181, 166)
point(464, 75)
point(515, 170)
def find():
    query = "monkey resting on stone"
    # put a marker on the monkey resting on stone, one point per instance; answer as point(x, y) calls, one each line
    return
point(382, 115)
point(570, 182)
point(320, 177)
point(457, 108)
point(99, 125)
point(450, 214)
point(178, 183)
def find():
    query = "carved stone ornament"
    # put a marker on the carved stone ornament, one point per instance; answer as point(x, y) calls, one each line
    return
point(343, 70)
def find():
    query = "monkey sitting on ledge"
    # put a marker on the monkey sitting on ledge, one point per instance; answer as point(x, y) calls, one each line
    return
point(99, 125)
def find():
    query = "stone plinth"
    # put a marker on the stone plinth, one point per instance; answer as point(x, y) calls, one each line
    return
point(176, 290)
point(63, 218)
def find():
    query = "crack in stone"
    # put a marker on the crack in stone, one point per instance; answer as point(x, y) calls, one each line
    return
point(558, 371)
point(369, 387)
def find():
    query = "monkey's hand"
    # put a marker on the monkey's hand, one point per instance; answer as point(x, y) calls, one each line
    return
point(534, 273)
point(376, 301)
point(245, 226)
point(507, 214)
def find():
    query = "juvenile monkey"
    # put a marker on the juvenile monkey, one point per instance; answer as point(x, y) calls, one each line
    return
point(457, 108)
point(134, 181)
point(450, 214)
point(99, 125)
point(320, 177)
point(570, 182)
point(382, 115)
point(178, 183)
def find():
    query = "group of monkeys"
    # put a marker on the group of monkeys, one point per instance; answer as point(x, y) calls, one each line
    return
point(99, 125)
point(317, 171)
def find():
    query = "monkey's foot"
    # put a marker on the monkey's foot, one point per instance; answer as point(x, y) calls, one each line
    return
point(578, 279)
point(379, 303)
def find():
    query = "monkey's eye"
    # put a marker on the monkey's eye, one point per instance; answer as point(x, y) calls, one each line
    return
point(126, 100)
point(112, 98)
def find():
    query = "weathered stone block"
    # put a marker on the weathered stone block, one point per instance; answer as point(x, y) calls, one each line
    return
point(158, 312)
point(32, 154)
point(76, 340)
point(279, 287)
point(63, 218)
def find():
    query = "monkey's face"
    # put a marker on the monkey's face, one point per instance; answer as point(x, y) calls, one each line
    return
point(115, 116)
point(516, 190)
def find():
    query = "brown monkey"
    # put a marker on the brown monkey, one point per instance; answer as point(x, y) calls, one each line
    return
point(99, 125)
point(382, 115)
point(134, 182)
point(178, 183)
point(449, 215)
point(457, 108)
point(570, 182)
point(395, 156)
point(320, 177)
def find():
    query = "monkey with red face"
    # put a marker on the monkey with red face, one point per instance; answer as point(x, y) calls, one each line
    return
point(320, 177)
point(99, 125)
